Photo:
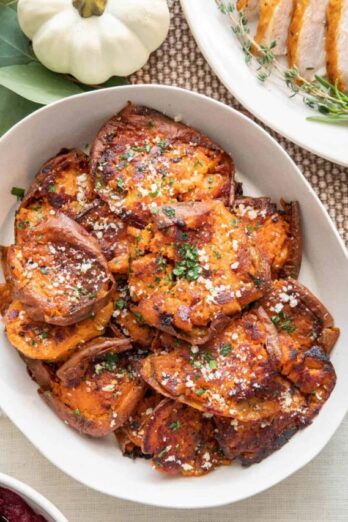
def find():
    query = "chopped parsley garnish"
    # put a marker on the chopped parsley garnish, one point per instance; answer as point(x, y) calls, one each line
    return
point(22, 224)
point(234, 222)
point(175, 425)
point(225, 350)
point(282, 322)
point(44, 335)
point(217, 254)
point(169, 211)
point(198, 164)
point(120, 183)
point(77, 412)
point(163, 451)
point(162, 145)
point(200, 392)
point(188, 267)
point(139, 318)
point(111, 361)
point(51, 188)
point(18, 192)
point(147, 147)
point(161, 262)
point(44, 270)
point(121, 304)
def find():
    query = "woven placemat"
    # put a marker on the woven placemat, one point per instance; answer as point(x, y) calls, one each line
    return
point(179, 62)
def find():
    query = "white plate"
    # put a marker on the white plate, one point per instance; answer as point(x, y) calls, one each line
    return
point(268, 102)
point(36, 501)
point(266, 170)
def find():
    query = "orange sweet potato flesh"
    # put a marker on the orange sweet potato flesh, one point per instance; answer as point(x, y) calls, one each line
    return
point(103, 399)
point(195, 271)
point(233, 375)
point(39, 340)
point(63, 184)
point(277, 233)
point(60, 274)
point(141, 158)
point(181, 440)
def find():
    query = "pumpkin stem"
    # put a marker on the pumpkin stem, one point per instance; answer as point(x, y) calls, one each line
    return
point(88, 8)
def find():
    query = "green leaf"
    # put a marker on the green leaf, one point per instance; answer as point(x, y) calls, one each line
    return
point(115, 81)
point(13, 108)
point(36, 83)
point(14, 45)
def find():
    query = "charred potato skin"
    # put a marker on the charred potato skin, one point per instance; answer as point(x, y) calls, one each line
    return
point(58, 230)
point(133, 126)
point(63, 184)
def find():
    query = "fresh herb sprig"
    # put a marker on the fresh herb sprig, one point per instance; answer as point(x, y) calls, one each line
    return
point(320, 95)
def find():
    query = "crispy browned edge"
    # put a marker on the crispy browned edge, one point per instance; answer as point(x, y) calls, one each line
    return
point(293, 264)
point(72, 371)
point(135, 116)
point(62, 228)
point(49, 166)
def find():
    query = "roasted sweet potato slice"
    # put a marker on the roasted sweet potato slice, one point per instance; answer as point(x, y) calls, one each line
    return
point(195, 271)
point(102, 399)
point(251, 442)
point(60, 274)
point(63, 184)
point(111, 234)
point(39, 340)
point(306, 334)
point(277, 233)
point(181, 440)
point(142, 159)
point(131, 324)
point(233, 375)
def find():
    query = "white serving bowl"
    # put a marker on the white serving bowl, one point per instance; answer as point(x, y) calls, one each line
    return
point(266, 169)
point(35, 500)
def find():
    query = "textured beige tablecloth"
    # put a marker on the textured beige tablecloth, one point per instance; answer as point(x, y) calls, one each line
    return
point(319, 492)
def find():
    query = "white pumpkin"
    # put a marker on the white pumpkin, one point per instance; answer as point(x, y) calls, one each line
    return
point(94, 39)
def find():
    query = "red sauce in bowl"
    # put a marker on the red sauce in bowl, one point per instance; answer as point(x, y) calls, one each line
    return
point(14, 509)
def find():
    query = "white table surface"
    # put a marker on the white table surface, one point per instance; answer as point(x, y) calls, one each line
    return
point(317, 493)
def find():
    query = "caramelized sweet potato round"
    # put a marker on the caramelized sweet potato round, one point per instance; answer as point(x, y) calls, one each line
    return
point(59, 273)
point(141, 159)
point(39, 340)
point(181, 440)
point(63, 184)
point(306, 335)
point(233, 375)
point(103, 393)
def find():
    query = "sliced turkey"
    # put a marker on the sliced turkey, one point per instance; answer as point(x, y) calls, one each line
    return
point(337, 43)
point(274, 21)
point(249, 7)
point(307, 35)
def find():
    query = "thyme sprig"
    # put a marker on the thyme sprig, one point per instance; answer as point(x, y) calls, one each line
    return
point(318, 94)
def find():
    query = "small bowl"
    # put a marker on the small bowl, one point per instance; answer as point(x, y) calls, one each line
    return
point(35, 500)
